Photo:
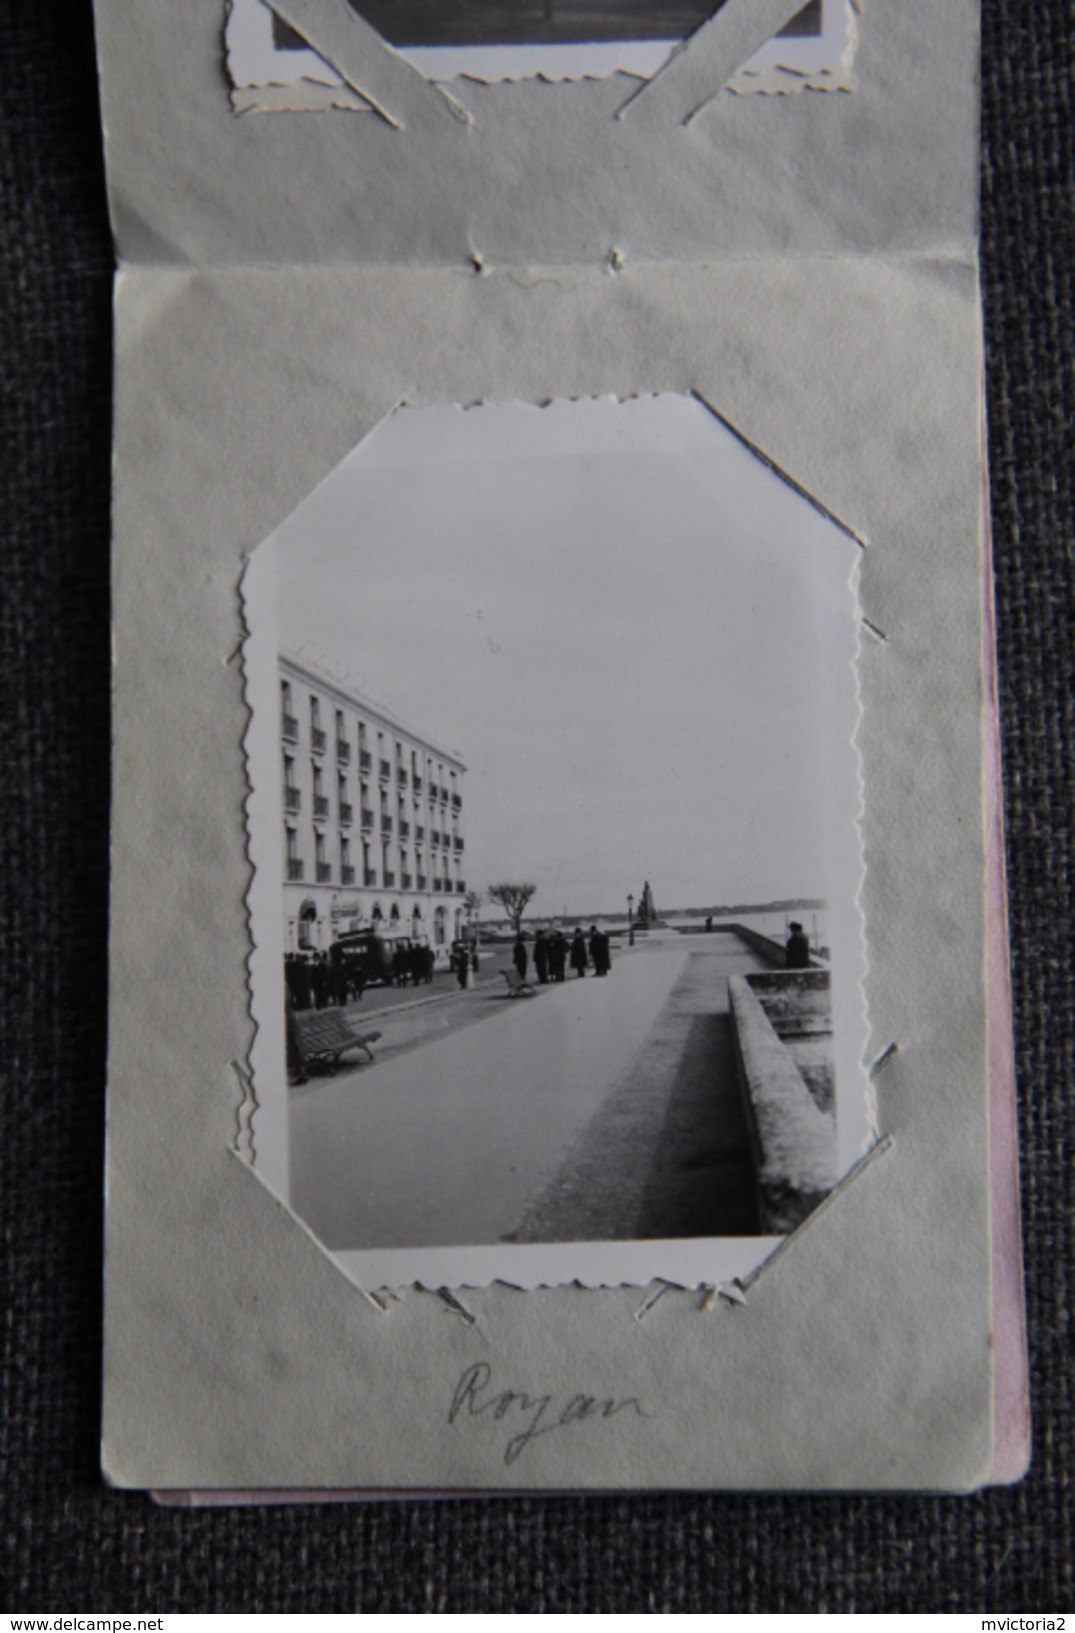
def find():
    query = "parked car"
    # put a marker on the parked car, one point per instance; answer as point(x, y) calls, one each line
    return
point(366, 956)
point(377, 958)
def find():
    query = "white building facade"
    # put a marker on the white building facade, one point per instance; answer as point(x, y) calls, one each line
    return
point(372, 819)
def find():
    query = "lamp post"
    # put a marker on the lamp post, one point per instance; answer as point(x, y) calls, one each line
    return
point(630, 919)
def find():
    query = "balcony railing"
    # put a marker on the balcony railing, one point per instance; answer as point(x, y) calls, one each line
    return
point(294, 869)
point(417, 783)
point(419, 833)
point(461, 887)
point(347, 875)
point(343, 751)
point(317, 740)
point(457, 802)
point(401, 776)
point(370, 877)
point(292, 799)
point(458, 842)
point(434, 837)
point(324, 873)
point(290, 727)
point(423, 882)
point(404, 829)
point(386, 825)
point(436, 885)
point(320, 805)
point(365, 759)
point(386, 770)
point(347, 813)
point(389, 881)
point(367, 817)
point(406, 881)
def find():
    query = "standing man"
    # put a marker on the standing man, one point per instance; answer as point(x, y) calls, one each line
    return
point(797, 948)
point(579, 959)
point(338, 972)
point(302, 982)
point(541, 958)
point(519, 957)
point(461, 962)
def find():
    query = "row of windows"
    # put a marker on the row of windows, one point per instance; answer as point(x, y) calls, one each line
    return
point(409, 817)
point(412, 874)
point(378, 751)
point(347, 878)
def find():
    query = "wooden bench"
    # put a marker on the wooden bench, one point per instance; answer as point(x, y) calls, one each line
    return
point(325, 1036)
point(517, 987)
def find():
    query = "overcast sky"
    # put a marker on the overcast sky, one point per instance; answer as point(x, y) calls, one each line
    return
point(637, 636)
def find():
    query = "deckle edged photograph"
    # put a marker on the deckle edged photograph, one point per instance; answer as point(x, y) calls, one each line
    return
point(553, 821)
point(528, 22)
point(519, 39)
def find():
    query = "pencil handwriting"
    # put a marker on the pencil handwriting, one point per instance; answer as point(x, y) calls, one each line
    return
point(476, 1397)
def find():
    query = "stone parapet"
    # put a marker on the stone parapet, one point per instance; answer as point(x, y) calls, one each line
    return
point(794, 1142)
point(767, 946)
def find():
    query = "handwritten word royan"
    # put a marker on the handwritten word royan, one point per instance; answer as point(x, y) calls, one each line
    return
point(475, 1398)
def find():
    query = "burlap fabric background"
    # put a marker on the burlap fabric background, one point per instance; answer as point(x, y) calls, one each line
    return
point(68, 1543)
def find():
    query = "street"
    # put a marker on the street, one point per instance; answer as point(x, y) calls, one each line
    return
point(596, 1109)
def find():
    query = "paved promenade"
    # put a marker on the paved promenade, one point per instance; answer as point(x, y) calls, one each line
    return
point(591, 1110)
point(667, 1154)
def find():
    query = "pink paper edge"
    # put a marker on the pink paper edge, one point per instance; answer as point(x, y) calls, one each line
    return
point(1011, 1381)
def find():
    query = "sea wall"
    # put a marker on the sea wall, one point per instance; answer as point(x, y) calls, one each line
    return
point(767, 946)
point(794, 1141)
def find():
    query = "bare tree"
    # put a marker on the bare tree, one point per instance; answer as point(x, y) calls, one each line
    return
point(513, 899)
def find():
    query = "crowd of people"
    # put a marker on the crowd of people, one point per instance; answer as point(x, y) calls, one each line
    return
point(314, 980)
point(553, 954)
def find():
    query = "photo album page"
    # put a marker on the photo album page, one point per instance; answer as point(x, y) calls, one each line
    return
point(560, 1037)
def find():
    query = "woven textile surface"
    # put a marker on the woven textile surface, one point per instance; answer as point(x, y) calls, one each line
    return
point(67, 1542)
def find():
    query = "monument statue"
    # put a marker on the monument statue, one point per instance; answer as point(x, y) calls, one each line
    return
point(647, 913)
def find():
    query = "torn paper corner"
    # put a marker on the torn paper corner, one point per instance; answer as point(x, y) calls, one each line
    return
point(825, 66)
point(266, 79)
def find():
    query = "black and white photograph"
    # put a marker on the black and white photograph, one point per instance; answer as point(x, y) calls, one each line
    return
point(514, 39)
point(538, 22)
point(553, 821)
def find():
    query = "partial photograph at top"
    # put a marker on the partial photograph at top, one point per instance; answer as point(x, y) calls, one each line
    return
point(514, 22)
point(494, 40)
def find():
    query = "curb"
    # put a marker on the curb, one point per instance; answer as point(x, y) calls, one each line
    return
point(421, 1003)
